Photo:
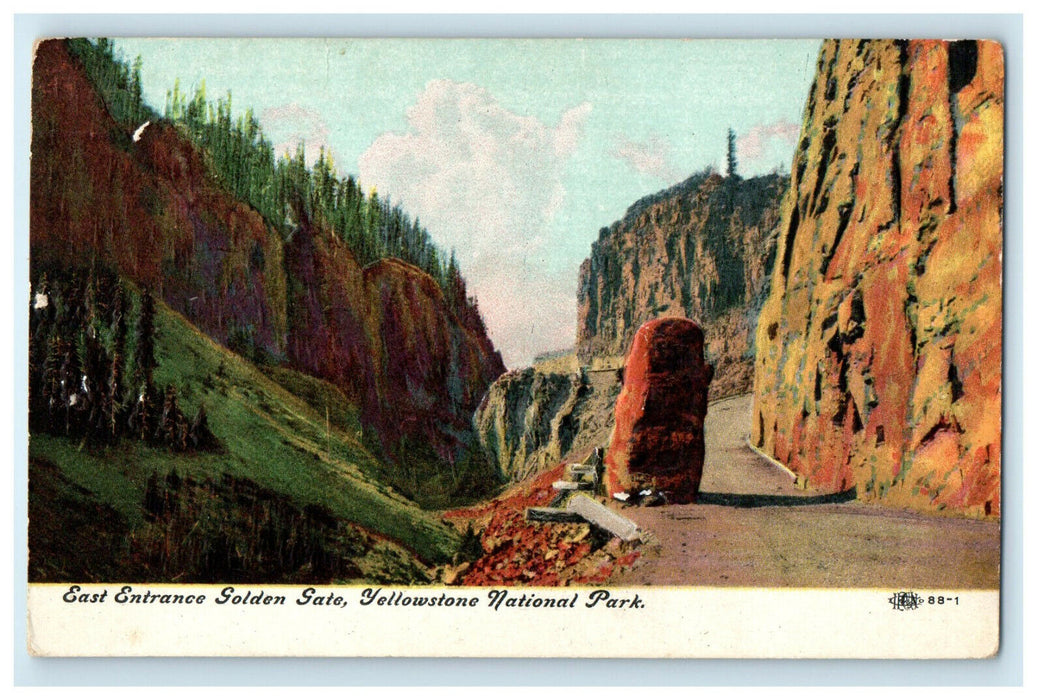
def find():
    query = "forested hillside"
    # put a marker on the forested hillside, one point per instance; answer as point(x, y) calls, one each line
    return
point(285, 264)
point(281, 187)
point(240, 366)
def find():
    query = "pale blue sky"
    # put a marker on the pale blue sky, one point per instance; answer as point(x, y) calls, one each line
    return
point(512, 152)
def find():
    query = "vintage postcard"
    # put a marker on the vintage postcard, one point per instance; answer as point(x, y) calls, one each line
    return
point(429, 347)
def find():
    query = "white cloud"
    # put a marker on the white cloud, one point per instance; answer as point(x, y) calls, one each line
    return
point(291, 124)
point(527, 312)
point(488, 182)
point(754, 144)
point(651, 157)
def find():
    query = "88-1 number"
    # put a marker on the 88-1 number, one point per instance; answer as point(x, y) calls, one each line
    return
point(942, 600)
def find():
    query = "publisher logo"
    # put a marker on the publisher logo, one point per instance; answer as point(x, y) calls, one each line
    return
point(905, 600)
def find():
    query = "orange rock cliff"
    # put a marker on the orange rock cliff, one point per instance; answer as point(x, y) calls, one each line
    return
point(878, 361)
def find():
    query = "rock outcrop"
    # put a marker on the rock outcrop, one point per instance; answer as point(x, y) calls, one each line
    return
point(519, 423)
point(879, 346)
point(702, 249)
point(658, 436)
point(152, 209)
point(531, 420)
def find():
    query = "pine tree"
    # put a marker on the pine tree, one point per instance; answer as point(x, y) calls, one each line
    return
point(68, 381)
point(200, 437)
point(172, 429)
point(91, 393)
point(154, 501)
point(731, 163)
point(118, 327)
point(52, 382)
point(40, 310)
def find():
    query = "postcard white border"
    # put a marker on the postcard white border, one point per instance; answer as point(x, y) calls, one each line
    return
point(265, 620)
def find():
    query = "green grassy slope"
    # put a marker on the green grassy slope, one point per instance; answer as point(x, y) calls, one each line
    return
point(268, 435)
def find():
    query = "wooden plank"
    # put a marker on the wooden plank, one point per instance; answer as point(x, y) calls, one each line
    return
point(552, 515)
point(595, 513)
point(572, 486)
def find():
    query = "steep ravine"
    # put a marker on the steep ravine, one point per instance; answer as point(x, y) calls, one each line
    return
point(879, 346)
point(532, 420)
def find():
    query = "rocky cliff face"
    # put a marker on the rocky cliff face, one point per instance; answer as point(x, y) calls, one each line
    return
point(531, 420)
point(879, 346)
point(152, 210)
point(702, 249)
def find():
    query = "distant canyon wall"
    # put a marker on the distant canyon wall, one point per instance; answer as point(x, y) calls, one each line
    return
point(879, 346)
point(703, 250)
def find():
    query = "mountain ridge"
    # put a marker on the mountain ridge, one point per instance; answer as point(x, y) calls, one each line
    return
point(700, 249)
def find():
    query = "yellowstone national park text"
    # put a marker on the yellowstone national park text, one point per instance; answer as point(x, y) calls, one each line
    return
point(497, 599)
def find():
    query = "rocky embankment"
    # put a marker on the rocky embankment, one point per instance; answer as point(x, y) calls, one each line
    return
point(879, 346)
point(151, 208)
point(532, 420)
point(703, 250)
point(513, 551)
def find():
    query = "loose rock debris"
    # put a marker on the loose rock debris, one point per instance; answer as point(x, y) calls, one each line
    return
point(540, 552)
point(584, 477)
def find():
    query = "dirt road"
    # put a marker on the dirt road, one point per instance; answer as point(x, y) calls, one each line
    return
point(754, 528)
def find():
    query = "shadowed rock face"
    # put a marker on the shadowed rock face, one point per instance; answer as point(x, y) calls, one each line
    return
point(879, 347)
point(658, 436)
point(518, 423)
